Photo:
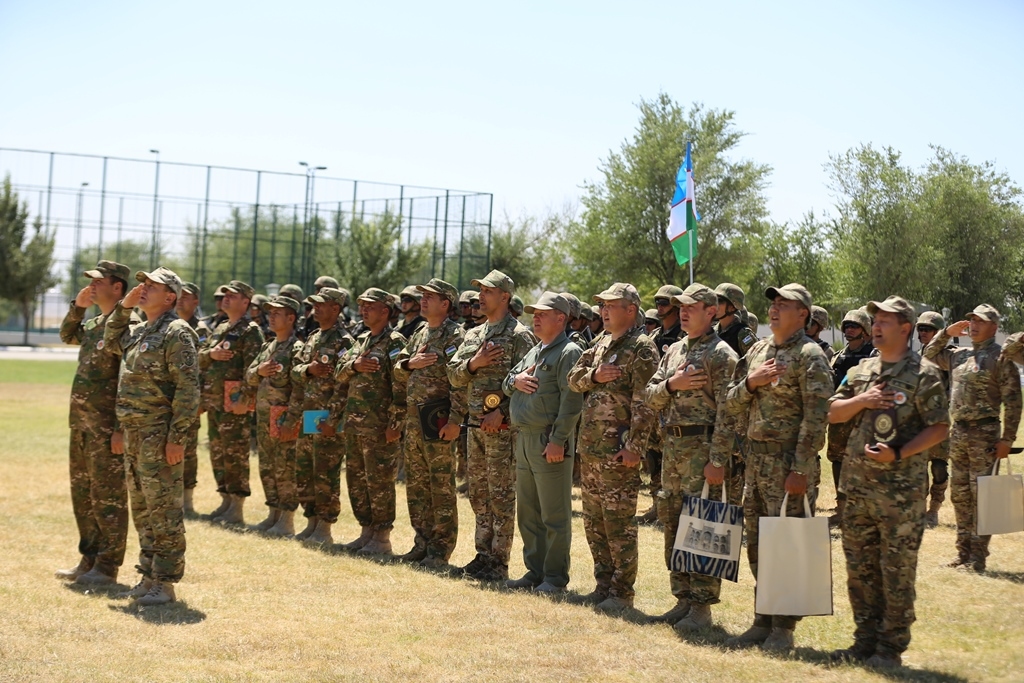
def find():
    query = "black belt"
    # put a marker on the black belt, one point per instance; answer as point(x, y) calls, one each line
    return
point(692, 430)
point(767, 447)
point(978, 423)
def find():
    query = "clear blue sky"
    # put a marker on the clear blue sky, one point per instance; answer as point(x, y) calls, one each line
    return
point(520, 99)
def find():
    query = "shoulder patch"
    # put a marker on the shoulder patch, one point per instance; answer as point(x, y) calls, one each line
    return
point(450, 350)
point(644, 353)
point(394, 353)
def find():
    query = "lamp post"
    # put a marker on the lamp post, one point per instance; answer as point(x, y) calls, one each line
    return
point(156, 230)
point(307, 253)
point(78, 229)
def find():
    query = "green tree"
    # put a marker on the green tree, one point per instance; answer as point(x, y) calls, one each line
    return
point(26, 261)
point(133, 253)
point(793, 254)
point(518, 249)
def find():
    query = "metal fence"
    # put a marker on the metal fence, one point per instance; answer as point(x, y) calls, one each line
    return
point(215, 223)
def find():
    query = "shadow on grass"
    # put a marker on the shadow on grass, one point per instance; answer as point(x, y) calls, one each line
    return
point(97, 591)
point(1012, 577)
point(175, 613)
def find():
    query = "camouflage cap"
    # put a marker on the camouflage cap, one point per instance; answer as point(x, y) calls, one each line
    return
point(516, 305)
point(258, 300)
point(438, 286)
point(109, 268)
point(375, 295)
point(326, 294)
point(411, 292)
point(697, 294)
point(191, 288)
point(752, 321)
point(792, 292)
point(893, 304)
point(326, 281)
point(820, 316)
point(469, 296)
point(220, 291)
point(292, 292)
point(651, 316)
point(858, 317)
point(164, 276)
point(620, 290)
point(283, 302)
point(731, 293)
point(496, 279)
point(931, 319)
point(240, 287)
point(550, 301)
point(595, 311)
point(985, 312)
point(575, 307)
point(668, 292)
point(586, 312)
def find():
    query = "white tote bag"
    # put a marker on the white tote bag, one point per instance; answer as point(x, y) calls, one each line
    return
point(794, 566)
point(1000, 502)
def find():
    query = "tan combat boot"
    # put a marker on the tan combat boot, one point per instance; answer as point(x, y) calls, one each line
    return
point(160, 593)
point(138, 590)
point(755, 635)
point(98, 576)
point(189, 508)
point(677, 613)
point(780, 640)
point(234, 513)
point(365, 536)
point(225, 503)
point(272, 516)
point(698, 618)
point(285, 525)
point(321, 535)
point(311, 523)
point(72, 574)
point(379, 543)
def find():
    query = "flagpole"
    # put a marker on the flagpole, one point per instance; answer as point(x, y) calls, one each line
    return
point(693, 210)
point(689, 235)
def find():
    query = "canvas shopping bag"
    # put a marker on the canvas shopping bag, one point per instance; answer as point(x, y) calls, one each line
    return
point(709, 537)
point(794, 566)
point(1000, 502)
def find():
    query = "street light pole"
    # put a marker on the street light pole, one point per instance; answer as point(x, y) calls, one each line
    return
point(156, 230)
point(78, 230)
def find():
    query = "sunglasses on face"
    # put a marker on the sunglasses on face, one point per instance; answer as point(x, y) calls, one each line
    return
point(661, 301)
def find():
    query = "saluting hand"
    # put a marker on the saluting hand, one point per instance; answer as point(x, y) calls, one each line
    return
point(134, 295)
point(84, 298)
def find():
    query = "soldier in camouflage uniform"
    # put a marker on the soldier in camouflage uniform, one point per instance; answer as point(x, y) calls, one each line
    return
point(928, 325)
point(372, 409)
point(782, 387)
point(689, 390)
point(277, 415)
point(819, 323)
point(412, 318)
point(186, 308)
point(983, 381)
point(99, 498)
point(480, 365)
point(1013, 348)
point(318, 457)
point(616, 424)
point(228, 352)
point(157, 401)
point(430, 464)
point(898, 405)
point(310, 324)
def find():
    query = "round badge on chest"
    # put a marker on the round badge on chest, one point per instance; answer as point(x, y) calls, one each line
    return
point(325, 359)
point(144, 347)
point(225, 345)
point(883, 423)
point(100, 345)
point(492, 401)
point(900, 398)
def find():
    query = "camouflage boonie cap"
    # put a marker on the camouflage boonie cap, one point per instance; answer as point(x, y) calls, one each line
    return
point(469, 296)
point(326, 281)
point(258, 300)
point(190, 287)
point(575, 307)
point(497, 279)
point(438, 286)
point(164, 276)
point(985, 312)
point(411, 292)
point(220, 291)
point(292, 292)
point(858, 317)
point(376, 295)
point(820, 316)
point(697, 294)
point(792, 292)
point(328, 294)
point(516, 305)
point(651, 316)
point(241, 288)
point(668, 292)
point(620, 290)
point(283, 302)
point(892, 304)
point(731, 293)
point(931, 319)
point(109, 269)
point(550, 301)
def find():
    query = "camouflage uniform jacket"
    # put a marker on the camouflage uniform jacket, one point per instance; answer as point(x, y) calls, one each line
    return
point(372, 402)
point(982, 382)
point(793, 412)
point(159, 379)
point(244, 339)
point(407, 329)
point(510, 334)
point(921, 402)
point(431, 383)
point(737, 335)
point(616, 406)
point(581, 338)
point(277, 389)
point(1013, 348)
point(94, 390)
point(316, 392)
point(697, 407)
point(663, 338)
point(827, 348)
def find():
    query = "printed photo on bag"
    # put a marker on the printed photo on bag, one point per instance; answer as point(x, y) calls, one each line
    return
point(709, 538)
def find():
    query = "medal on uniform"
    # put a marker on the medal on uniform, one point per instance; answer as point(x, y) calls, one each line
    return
point(99, 345)
point(664, 348)
point(884, 425)
point(492, 400)
point(225, 345)
point(143, 347)
point(325, 359)
point(612, 359)
point(900, 398)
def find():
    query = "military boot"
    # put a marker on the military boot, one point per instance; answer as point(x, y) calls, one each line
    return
point(285, 524)
point(931, 518)
point(189, 508)
point(478, 564)
point(234, 514)
point(72, 574)
point(417, 554)
point(780, 640)
point(138, 590)
point(225, 503)
point(379, 543)
point(272, 516)
point(677, 613)
point(365, 536)
point(98, 576)
point(160, 593)
point(755, 635)
point(321, 535)
point(614, 605)
point(698, 618)
point(311, 523)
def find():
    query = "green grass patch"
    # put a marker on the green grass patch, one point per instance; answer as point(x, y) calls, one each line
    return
point(38, 371)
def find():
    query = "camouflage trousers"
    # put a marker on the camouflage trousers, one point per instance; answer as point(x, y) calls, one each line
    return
point(370, 471)
point(609, 490)
point(192, 455)
point(939, 459)
point(881, 539)
point(306, 449)
point(430, 491)
point(99, 498)
point(544, 511)
point(229, 452)
point(764, 489)
point(156, 490)
point(654, 458)
point(972, 452)
point(683, 475)
point(277, 466)
point(321, 497)
point(491, 472)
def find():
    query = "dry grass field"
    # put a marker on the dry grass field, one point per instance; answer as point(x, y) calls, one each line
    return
point(256, 609)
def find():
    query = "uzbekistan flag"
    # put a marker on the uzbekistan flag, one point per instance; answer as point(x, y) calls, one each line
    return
point(682, 222)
